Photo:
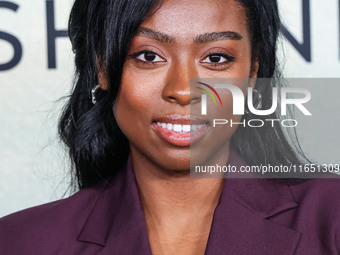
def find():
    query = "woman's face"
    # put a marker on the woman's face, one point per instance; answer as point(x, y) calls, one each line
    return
point(184, 39)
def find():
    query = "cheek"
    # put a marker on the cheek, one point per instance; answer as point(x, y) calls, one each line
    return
point(135, 100)
point(243, 68)
point(129, 101)
point(131, 104)
point(224, 113)
point(235, 94)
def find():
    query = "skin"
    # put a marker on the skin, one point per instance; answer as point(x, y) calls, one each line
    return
point(149, 91)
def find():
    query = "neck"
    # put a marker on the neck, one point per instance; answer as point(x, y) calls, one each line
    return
point(167, 194)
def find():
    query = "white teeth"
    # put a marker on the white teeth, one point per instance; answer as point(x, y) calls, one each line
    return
point(179, 128)
point(186, 128)
point(169, 126)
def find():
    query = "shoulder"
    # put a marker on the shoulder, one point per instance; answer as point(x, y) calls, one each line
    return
point(317, 187)
point(321, 195)
point(317, 215)
point(39, 227)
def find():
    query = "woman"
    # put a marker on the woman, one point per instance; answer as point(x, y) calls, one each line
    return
point(136, 195)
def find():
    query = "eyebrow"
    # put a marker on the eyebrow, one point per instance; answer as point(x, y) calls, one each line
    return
point(216, 36)
point(203, 38)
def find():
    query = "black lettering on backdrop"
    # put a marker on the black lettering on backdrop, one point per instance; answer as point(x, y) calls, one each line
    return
point(11, 39)
point(52, 35)
point(305, 48)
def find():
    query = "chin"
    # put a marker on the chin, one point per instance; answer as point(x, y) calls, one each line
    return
point(178, 161)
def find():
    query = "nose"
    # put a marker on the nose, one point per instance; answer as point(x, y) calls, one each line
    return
point(177, 84)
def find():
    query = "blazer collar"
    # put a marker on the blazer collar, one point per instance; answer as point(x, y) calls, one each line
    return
point(117, 220)
point(241, 223)
point(266, 197)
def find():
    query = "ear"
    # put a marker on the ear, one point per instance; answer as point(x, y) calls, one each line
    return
point(102, 77)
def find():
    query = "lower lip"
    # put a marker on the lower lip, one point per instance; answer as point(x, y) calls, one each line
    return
point(181, 140)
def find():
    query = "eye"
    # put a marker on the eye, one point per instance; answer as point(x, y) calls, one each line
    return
point(147, 56)
point(218, 59)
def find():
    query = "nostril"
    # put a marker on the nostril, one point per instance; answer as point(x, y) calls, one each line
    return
point(181, 97)
point(172, 98)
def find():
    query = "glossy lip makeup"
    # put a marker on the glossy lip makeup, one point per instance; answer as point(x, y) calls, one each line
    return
point(180, 130)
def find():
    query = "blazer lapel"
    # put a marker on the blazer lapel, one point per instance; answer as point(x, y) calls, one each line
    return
point(242, 223)
point(117, 221)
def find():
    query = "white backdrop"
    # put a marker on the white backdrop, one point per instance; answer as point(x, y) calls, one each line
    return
point(34, 167)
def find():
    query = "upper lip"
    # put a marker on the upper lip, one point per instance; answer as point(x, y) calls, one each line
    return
point(180, 119)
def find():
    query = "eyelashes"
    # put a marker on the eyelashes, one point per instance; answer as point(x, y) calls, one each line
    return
point(216, 57)
point(213, 59)
point(147, 57)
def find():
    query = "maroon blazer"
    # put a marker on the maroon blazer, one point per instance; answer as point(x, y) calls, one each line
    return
point(253, 217)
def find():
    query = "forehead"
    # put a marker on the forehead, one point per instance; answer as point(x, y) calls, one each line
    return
point(186, 18)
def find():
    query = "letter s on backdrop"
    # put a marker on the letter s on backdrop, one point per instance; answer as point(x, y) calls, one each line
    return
point(11, 39)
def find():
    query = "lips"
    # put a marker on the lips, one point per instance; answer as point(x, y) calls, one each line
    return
point(180, 130)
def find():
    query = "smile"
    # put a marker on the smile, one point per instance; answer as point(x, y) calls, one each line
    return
point(180, 130)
